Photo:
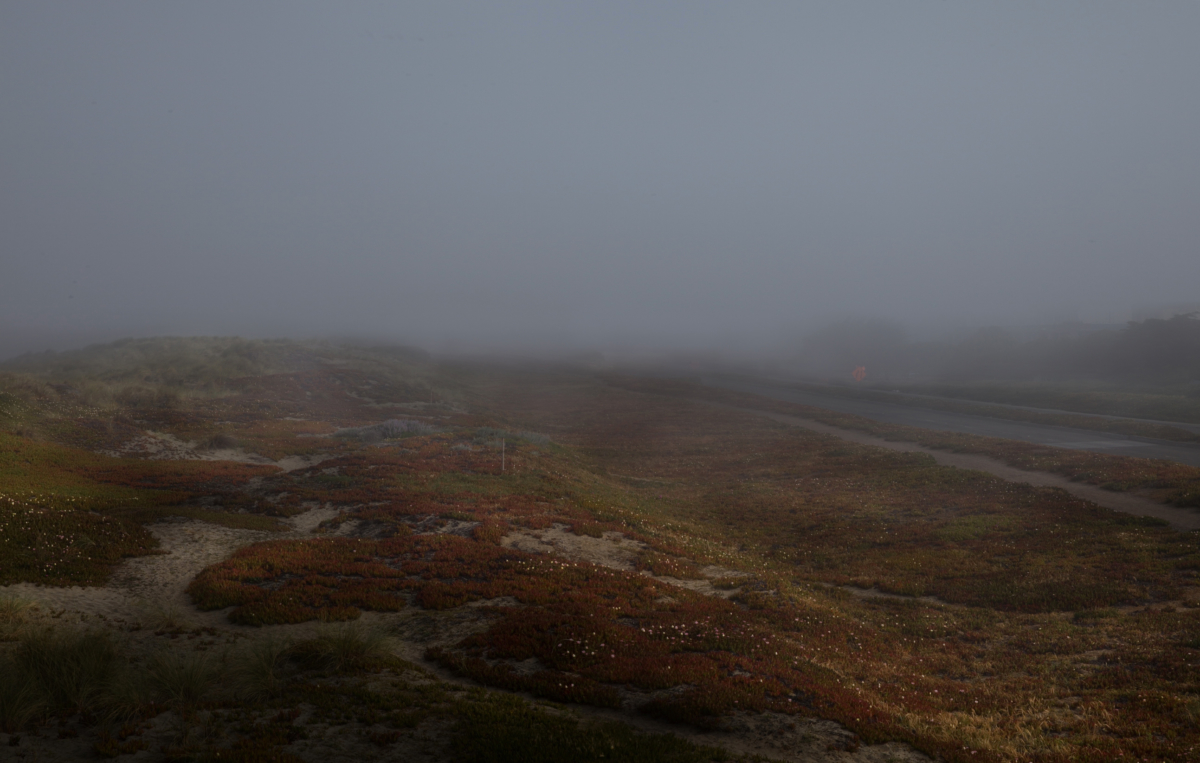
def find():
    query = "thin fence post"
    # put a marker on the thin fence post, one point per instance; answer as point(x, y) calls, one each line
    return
point(502, 455)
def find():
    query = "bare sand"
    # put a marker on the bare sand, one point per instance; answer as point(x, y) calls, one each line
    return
point(167, 447)
point(148, 588)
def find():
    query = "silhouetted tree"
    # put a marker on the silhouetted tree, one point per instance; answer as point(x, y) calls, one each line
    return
point(1163, 348)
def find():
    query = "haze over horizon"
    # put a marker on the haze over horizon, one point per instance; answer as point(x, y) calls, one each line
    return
point(545, 176)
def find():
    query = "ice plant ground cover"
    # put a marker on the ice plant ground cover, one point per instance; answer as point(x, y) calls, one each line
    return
point(769, 572)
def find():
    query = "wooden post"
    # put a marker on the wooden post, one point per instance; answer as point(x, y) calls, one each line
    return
point(502, 455)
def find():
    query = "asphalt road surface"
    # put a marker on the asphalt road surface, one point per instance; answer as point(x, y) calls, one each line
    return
point(1043, 434)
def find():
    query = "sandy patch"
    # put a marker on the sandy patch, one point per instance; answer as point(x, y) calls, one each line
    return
point(158, 446)
point(416, 630)
point(703, 586)
point(163, 446)
point(612, 549)
point(307, 522)
point(292, 463)
point(875, 593)
point(149, 587)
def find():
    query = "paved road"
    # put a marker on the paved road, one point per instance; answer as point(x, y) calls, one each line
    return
point(1059, 437)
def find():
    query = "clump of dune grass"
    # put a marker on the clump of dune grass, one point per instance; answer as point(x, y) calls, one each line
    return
point(68, 671)
point(348, 647)
point(182, 678)
point(21, 697)
point(260, 670)
point(125, 697)
point(158, 616)
point(13, 608)
point(73, 668)
point(13, 611)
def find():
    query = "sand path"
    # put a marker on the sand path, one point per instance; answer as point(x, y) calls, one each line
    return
point(1128, 503)
point(154, 587)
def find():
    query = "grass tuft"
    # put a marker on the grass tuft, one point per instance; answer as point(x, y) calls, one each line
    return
point(159, 616)
point(73, 668)
point(345, 648)
point(183, 678)
point(21, 698)
point(12, 616)
point(261, 669)
point(13, 609)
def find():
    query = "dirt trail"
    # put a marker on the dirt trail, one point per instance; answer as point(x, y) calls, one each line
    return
point(1128, 503)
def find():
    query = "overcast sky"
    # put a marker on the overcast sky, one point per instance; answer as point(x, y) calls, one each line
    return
point(512, 174)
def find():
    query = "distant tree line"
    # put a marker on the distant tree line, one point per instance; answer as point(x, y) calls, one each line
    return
point(1155, 350)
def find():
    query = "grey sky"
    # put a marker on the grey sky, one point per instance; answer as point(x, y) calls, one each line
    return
point(459, 174)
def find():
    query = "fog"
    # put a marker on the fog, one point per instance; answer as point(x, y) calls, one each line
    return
point(514, 176)
point(1155, 351)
